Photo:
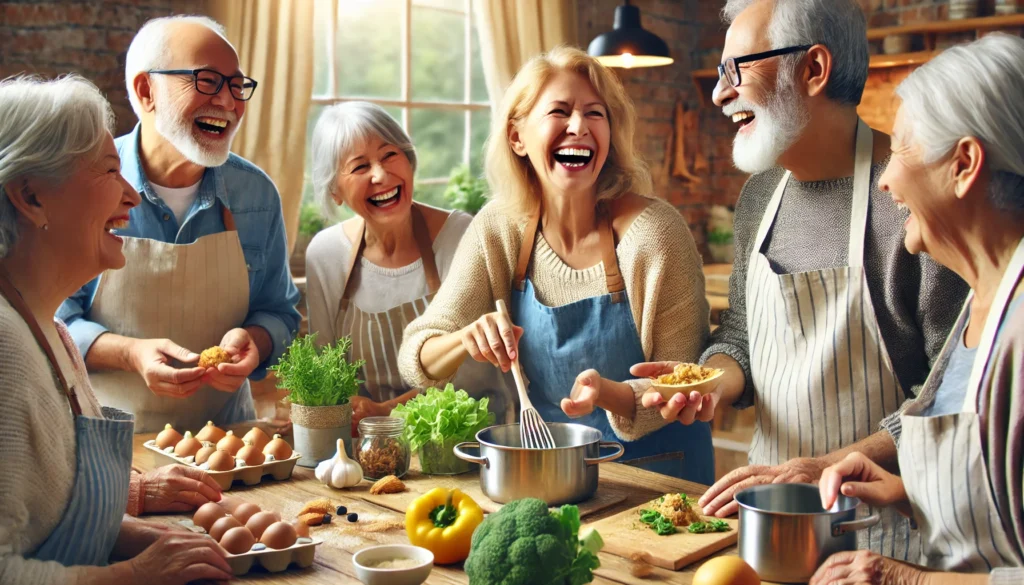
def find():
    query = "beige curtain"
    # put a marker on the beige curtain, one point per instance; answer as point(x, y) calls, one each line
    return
point(512, 31)
point(274, 40)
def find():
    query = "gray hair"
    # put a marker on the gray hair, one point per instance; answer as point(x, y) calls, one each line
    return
point(840, 25)
point(47, 126)
point(973, 90)
point(149, 49)
point(339, 127)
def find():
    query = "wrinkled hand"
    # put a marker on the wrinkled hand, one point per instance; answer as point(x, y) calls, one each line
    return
point(137, 535)
point(865, 568)
point(177, 558)
point(151, 358)
point(245, 357)
point(492, 338)
point(177, 488)
point(856, 476)
point(718, 500)
point(682, 407)
point(363, 407)
point(585, 392)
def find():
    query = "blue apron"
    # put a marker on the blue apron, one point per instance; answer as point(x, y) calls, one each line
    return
point(91, 522)
point(598, 332)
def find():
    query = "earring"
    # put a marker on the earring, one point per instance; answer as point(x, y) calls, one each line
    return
point(46, 227)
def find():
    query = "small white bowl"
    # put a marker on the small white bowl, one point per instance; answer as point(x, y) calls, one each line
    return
point(375, 554)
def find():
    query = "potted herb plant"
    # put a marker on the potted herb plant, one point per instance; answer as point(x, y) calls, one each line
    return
point(720, 245)
point(320, 384)
point(465, 192)
point(311, 222)
point(436, 421)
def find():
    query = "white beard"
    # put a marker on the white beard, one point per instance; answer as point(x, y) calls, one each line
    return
point(179, 129)
point(779, 124)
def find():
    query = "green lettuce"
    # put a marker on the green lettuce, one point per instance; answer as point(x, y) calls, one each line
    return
point(443, 416)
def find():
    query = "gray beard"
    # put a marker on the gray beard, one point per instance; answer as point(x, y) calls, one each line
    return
point(179, 130)
point(780, 123)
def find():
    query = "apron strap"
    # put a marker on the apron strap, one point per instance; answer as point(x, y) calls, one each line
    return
point(526, 250)
point(861, 194)
point(18, 302)
point(228, 217)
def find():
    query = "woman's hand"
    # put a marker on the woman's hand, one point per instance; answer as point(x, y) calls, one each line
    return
point(682, 407)
point(492, 338)
point(177, 488)
point(865, 568)
point(177, 558)
point(363, 407)
point(584, 395)
point(856, 476)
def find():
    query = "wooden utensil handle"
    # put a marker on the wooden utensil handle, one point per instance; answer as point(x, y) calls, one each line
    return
point(517, 372)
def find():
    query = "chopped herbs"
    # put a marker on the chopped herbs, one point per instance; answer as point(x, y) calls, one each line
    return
point(658, 523)
point(712, 526)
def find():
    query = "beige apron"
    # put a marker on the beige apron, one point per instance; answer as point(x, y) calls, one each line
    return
point(943, 466)
point(821, 373)
point(191, 294)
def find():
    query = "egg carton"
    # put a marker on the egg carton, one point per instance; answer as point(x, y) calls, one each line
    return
point(274, 561)
point(247, 474)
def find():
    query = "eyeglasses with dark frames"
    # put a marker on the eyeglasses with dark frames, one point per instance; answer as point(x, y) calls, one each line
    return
point(730, 69)
point(210, 82)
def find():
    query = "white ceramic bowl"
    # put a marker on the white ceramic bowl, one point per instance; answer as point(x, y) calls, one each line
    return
point(375, 554)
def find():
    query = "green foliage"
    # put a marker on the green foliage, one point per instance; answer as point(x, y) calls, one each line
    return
point(526, 544)
point(311, 220)
point(658, 523)
point(441, 415)
point(318, 378)
point(712, 526)
point(465, 192)
point(719, 236)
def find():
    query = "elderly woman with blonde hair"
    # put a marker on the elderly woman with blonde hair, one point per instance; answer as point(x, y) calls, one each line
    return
point(598, 275)
point(958, 166)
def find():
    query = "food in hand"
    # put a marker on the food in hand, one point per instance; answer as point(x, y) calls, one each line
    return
point(222, 525)
point(251, 454)
point(238, 540)
point(214, 356)
point(210, 432)
point(319, 505)
point(387, 485)
point(221, 461)
point(245, 511)
point(203, 455)
point(339, 471)
point(279, 535)
point(257, 437)
point(687, 375)
point(442, 521)
point(726, 570)
point(168, 437)
point(187, 446)
point(207, 514)
point(278, 448)
point(260, 521)
point(230, 443)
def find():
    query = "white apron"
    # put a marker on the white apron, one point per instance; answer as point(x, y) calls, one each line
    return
point(191, 294)
point(821, 373)
point(943, 466)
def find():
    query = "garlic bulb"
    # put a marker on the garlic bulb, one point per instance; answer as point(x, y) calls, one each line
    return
point(339, 471)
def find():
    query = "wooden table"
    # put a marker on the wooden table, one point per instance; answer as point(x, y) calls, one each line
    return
point(333, 563)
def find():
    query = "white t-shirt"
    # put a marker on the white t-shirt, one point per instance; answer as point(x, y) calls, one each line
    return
point(179, 200)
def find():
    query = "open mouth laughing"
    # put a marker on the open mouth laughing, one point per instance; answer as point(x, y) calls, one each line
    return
point(744, 119)
point(118, 223)
point(214, 126)
point(386, 199)
point(574, 158)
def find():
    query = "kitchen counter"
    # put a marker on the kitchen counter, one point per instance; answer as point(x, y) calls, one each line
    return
point(333, 563)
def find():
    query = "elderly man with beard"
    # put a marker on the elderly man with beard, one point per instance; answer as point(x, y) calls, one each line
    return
point(832, 324)
point(206, 251)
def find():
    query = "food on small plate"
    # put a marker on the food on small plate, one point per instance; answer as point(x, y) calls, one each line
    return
point(168, 437)
point(279, 535)
point(188, 446)
point(214, 356)
point(230, 443)
point(237, 540)
point(686, 378)
point(207, 514)
point(671, 511)
point(387, 485)
point(278, 448)
point(210, 432)
point(726, 570)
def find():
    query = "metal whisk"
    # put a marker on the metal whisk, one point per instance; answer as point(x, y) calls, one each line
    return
point(533, 432)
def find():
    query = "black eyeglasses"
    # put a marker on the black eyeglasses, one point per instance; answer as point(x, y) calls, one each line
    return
point(210, 82)
point(730, 70)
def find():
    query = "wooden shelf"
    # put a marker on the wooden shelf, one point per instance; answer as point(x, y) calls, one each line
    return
point(901, 59)
point(985, 23)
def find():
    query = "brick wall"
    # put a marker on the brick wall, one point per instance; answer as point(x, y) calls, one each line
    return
point(89, 37)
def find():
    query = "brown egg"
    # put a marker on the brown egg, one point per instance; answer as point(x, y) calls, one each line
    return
point(207, 514)
point(726, 570)
point(221, 461)
point(168, 437)
point(187, 446)
point(258, 438)
point(260, 521)
point(238, 540)
point(245, 511)
point(203, 454)
point(250, 454)
point(279, 448)
point(230, 503)
point(230, 443)
point(279, 535)
point(222, 525)
point(301, 528)
point(210, 433)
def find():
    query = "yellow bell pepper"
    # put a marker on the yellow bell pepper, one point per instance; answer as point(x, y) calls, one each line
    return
point(442, 521)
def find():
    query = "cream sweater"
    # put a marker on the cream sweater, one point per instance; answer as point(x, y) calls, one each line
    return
point(658, 260)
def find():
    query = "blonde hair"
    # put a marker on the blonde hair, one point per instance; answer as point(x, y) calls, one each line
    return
point(512, 178)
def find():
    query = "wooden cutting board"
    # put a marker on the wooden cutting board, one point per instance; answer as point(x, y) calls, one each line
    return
point(625, 536)
point(419, 484)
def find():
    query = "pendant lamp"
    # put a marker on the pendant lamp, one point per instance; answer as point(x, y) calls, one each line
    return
point(628, 45)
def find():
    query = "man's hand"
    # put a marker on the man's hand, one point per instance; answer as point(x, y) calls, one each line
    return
point(718, 500)
point(245, 358)
point(151, 358)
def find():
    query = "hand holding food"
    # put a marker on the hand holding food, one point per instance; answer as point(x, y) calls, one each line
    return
point(442, 521)
point(177, 488)
point(177, 558)
point(492, 338)
point(151, 358)
point(718, 500)
point(244, 359)
point(681, 392)
point(856, 476)
point(213, 357)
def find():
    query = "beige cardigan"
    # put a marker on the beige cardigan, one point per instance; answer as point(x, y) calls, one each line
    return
point(658, 260)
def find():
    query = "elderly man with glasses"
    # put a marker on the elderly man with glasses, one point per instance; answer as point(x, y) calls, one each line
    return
point(207, 260)
point(832, 324)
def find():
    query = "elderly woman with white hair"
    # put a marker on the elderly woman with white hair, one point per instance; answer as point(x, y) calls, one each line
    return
point(958, 166)
point(369, 276)
point(65, 484)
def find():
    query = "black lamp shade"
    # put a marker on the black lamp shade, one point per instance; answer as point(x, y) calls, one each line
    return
point(628, 44)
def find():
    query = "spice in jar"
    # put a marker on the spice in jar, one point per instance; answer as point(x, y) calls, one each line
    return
point(382, 450)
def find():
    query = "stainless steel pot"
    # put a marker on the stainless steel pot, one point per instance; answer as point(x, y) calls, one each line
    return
point(785, 534)
point(566, 474)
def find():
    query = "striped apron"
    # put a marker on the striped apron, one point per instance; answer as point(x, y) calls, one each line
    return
point(943, 464)
point(191, 294)
point(91, 522)
point(821, 373)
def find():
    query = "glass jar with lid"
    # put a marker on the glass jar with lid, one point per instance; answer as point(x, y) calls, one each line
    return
point(381, 449)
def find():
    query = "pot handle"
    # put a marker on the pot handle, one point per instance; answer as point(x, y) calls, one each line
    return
point(457, 449)
point(610, 445)
point(841, 528)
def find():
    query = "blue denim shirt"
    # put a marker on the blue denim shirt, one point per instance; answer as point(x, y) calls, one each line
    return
point(253, 200)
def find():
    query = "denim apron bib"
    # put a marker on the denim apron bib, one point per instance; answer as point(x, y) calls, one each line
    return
point(598, 332)
point(91, 522)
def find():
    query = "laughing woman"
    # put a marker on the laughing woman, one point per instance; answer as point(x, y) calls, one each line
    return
point(597, 274)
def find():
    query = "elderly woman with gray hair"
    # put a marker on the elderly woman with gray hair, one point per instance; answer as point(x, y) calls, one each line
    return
point(958, 166)
point(65, 484)
point(369, 276)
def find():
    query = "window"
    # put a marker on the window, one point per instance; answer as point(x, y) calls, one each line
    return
point(420, 60)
